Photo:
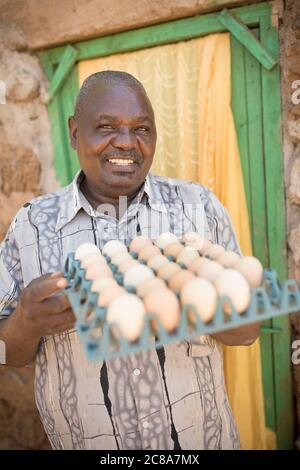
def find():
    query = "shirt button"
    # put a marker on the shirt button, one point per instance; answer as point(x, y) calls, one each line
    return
point(136, 372)
point(145, 425)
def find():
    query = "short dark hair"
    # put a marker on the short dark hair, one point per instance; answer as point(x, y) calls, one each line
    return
point(107, 77)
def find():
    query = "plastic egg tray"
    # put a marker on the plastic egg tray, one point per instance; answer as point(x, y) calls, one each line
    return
point(100, 343)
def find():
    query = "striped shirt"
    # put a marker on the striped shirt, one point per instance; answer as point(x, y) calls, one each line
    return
point(168, 398)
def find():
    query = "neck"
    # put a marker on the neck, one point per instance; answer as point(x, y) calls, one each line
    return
point(96, 199)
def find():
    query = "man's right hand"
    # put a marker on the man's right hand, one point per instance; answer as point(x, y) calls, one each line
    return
point(41, 310)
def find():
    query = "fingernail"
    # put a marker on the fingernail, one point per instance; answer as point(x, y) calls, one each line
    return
point(61, 283)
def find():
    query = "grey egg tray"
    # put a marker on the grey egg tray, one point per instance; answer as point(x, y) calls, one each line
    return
point(97, 336)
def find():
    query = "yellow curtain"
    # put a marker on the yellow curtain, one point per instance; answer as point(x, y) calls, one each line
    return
point(189, 86)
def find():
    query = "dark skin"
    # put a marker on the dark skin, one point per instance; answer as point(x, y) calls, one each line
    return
point(115, 123)
point(119, 124)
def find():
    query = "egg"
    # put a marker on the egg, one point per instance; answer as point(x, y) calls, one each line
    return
point(165, 239)
point(98, 270)
point(206, 245)
point(113, 247)
point(86, 249)
point(252, 269)
point(214, 251)
point(109, 294)
point(155, 262)
point(92, 259)
point(195, 265)
point(120, 257)
point(228, 259)
point(202, 295)
point(102, 283)
point(137, 274)
point(125, 265)
point(209, 270)
point(148, 252)
point(232, 283)
point(149, 285)
point(138, 243)
point(127, 312)
point(163, 303)
point(187, 256)
point(193, 239)
point(173, 249)
point(179, 279)
point(167, 270)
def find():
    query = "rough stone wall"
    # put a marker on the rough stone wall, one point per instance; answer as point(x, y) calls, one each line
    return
point(290, 70)
point(26, 170)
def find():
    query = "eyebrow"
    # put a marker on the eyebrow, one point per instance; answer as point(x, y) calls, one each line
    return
point(109, 117)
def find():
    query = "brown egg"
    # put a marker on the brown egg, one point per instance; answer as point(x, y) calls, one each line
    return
point(202, 295)
point(193, 239)
point(148, 251)
point(120, 257)
point(177, 280)
point(209, 270)
point(109, 294)
point(228, 259)
point(98, 270)
point(138, 243)
point(187, 256)
point(167, 270)
point(195, 265)
point(163, 303)
point(173, 249)
point(155, 262)
point(149, 285)
point(214, 251)
point(126, 265)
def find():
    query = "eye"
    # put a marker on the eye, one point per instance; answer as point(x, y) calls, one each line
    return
point(143, 129)
point(105, 126)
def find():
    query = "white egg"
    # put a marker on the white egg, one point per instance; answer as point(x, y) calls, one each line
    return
point(127, 312)
point(214, 251)
point(231, 283)
point(92, 259)
point(228, 259)
point(86, 249)
point(252, 269)
point(118, 258)
point(157, 261)
point(209, 270)
point(102, 283)
point(202, 295)
point(113, 247)
point(135, 275)
point(165, 239)
point(187, 256)
point(193, 239)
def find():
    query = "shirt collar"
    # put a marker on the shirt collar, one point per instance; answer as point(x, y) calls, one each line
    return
point(72, 200)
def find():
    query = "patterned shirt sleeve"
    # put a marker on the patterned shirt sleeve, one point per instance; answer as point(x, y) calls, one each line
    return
point(219, 222)
point(10, 273)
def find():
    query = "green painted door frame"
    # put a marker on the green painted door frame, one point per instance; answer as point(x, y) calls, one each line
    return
point(257, 113)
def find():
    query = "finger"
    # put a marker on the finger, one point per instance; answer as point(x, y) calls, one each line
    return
point(45, 288)
point(53, 305)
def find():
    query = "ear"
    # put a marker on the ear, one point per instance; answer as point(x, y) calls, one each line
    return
point(73, 132)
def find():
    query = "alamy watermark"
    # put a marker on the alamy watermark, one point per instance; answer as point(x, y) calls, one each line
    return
point(296, 93)
point(2, 92)
point(296, 353)
point(2, 352)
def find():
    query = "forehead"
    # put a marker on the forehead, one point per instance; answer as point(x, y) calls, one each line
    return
point(121, 101)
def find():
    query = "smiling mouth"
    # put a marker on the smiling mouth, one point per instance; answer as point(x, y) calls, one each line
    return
point(121, 161)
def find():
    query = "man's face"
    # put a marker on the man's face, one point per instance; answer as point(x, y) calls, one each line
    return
point(115, 139)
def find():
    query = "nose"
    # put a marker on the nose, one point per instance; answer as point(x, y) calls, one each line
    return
point(124, 139)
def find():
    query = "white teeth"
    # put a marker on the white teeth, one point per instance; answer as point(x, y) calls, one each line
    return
point(120, 161)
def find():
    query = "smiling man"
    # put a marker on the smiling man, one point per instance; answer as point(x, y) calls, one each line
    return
point(170, 398)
